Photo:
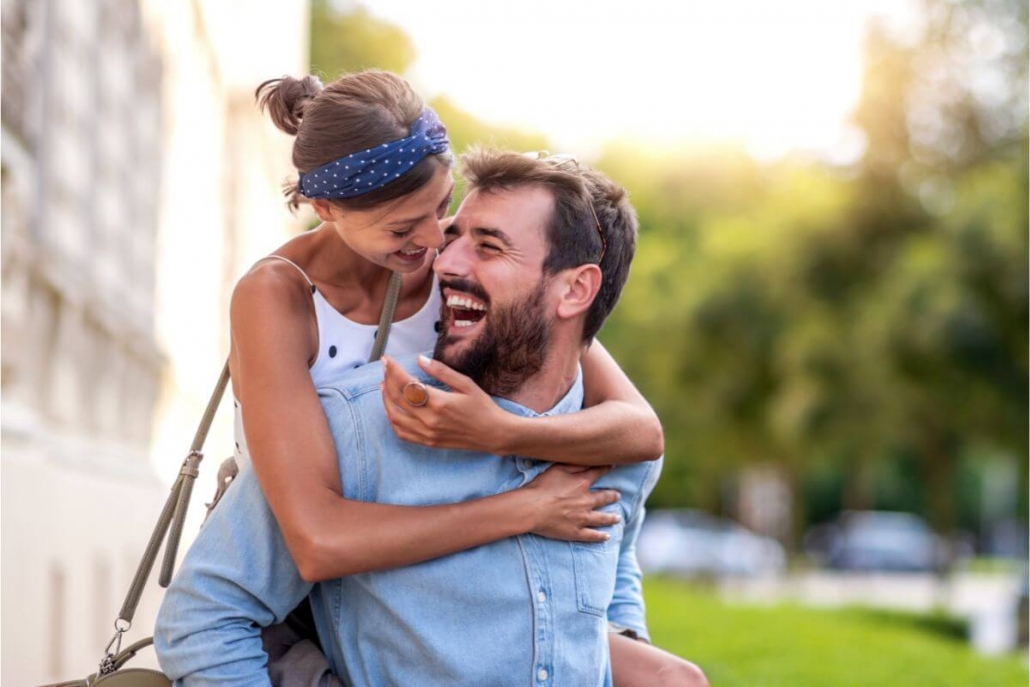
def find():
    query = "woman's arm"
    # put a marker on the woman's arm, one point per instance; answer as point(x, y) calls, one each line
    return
point(617, 425)
point(294, 458)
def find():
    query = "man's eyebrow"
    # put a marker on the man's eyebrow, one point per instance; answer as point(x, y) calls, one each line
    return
point(492, 233)
point(412, 220)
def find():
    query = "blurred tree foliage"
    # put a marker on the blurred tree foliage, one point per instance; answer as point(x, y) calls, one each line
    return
point(841, 322)
point(863, 328)
point(355, 40)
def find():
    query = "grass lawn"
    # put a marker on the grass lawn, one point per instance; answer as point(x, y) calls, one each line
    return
point(791, 646)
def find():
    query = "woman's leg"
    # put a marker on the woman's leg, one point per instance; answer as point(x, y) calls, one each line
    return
point(638, 664)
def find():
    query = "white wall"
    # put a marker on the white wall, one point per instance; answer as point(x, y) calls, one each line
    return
point(139, 182)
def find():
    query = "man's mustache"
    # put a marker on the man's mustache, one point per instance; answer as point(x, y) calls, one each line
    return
point(466, 286)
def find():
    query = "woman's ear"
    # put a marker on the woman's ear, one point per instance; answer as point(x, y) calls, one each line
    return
point(323, 209)
point(578, 288)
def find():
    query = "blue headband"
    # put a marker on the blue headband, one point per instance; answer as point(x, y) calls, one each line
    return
point(368, 170)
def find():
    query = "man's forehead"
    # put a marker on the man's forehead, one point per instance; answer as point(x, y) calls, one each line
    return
point(521, 213)
point(517, 209)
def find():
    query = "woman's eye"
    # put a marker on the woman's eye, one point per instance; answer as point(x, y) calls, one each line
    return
point(400, 233)
point(442, 210)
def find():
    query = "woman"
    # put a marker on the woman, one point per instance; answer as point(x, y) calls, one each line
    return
point(324, 291)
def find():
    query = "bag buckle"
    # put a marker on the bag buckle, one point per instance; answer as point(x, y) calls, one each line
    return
point(107, 665)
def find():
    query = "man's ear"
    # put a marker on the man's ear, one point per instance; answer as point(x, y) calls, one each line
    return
point(578, 287)
point(323, 209)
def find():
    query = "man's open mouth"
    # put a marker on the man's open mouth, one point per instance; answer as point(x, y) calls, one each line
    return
point(465, 310)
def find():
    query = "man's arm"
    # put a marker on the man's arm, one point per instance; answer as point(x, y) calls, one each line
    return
point(236, 578)
point(626, 610)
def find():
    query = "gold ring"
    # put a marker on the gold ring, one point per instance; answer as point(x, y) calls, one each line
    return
point(416, 394)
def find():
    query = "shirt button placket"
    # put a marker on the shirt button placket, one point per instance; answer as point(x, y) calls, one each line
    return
point(541, 675)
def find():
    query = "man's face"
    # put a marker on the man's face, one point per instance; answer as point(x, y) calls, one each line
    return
point(496, 322)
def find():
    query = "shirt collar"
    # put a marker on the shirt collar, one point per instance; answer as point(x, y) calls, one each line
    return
point(569, 403)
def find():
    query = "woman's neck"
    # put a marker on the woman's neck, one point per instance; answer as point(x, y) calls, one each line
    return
point(330, 260)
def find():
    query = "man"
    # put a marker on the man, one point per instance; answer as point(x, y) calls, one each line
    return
point(523, 296)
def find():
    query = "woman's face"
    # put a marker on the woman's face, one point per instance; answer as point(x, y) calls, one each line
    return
point(398, 235)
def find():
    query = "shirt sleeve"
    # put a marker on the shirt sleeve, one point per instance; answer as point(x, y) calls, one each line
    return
point(626, 611)
point(237, 577)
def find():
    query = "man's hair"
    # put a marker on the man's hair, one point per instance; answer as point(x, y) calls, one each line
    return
point(571, 233)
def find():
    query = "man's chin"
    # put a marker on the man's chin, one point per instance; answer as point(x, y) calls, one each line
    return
point(451, 349)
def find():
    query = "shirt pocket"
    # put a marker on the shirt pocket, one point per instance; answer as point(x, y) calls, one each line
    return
point(595, 565)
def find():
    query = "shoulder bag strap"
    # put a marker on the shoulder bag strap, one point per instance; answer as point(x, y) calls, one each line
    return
point(393, 292)
point(174, 512)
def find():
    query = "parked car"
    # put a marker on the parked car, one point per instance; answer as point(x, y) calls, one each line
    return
point(691, 542)
point(877, 540)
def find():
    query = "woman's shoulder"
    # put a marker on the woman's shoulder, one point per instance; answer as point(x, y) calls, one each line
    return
point(275, 282)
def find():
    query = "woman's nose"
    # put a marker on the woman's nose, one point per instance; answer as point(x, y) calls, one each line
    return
point(430, 234)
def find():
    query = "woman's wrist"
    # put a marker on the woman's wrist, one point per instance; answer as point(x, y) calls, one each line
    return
point(523, 507)
point(504, 437)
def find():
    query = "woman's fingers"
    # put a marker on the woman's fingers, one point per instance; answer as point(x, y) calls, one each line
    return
point(603, 497)
point(600, 518)
point(590, 536)
point(449, 376)
point(596, 473)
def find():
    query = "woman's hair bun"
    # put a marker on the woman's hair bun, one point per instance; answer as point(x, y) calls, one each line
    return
point(286, 98)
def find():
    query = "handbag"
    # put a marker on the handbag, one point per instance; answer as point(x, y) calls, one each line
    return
point(111, 672)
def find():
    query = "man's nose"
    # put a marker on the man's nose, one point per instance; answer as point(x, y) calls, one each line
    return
point(452, 260)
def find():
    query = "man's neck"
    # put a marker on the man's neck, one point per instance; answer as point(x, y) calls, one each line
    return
point(546, 388)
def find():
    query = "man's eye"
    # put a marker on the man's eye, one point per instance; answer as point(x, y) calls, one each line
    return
point(489, 246)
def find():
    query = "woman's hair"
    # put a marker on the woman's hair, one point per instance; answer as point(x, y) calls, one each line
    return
point(354, 113)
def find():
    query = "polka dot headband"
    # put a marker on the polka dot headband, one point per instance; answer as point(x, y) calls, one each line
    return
point(368, 170)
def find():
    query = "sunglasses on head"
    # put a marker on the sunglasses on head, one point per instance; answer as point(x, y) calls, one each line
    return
point(570, 162)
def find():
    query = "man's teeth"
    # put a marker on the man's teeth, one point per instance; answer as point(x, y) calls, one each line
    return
point(464, 303)
point(463, 323)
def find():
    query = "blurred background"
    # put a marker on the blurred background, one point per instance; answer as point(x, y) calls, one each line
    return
point(828, 307)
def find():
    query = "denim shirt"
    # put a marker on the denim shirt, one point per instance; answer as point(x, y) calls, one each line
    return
point(525, 611)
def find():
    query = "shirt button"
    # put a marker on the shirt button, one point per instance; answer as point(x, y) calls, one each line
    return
point(542, 675)
point(541, 597)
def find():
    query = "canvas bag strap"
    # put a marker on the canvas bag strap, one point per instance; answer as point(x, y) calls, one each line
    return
point(174, 512)
point(393, 293)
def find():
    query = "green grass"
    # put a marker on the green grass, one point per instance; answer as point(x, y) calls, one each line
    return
point(791, 646)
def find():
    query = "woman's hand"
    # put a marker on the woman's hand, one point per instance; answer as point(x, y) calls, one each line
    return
point(464, 417)
point(565, 505)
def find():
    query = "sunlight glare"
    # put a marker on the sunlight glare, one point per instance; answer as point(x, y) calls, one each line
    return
point(771, 77)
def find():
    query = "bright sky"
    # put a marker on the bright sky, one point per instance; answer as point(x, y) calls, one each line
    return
point(770, 76)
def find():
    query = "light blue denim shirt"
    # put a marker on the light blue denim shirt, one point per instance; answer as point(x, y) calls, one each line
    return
point(526, 611)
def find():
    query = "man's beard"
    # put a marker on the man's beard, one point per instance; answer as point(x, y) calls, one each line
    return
point(511, 348)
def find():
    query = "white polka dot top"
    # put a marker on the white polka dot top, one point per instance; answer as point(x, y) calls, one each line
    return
point(344, 344)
